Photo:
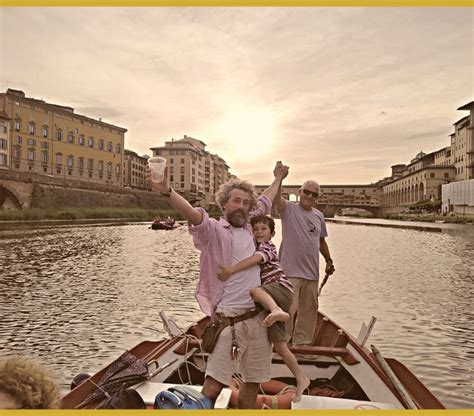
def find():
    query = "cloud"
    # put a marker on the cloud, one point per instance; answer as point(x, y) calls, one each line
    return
point(325, 74)
point(425, 135)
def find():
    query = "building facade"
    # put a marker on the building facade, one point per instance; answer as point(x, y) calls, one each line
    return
point(443, 157)
point(351, 195)
point(192, 170)
point(52, 139)
point(462, 144)
point(4, 140)
point(423, 178)
point(134, 170)
point(421, 185)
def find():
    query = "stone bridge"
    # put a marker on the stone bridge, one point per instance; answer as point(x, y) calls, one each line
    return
point(334, 198)
point(15, 194)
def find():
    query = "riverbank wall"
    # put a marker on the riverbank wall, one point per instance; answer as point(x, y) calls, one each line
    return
point(29, 190)
point(53, 196)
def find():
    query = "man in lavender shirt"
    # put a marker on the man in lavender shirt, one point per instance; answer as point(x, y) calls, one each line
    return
point(303, 238)
point(225, 243)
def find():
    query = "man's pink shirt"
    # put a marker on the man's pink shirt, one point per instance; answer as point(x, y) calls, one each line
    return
point(214, 239)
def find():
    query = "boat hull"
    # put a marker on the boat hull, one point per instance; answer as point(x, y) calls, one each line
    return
point(335, 362)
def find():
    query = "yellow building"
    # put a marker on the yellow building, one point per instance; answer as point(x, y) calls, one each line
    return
point(192, 171)
point(52, 139)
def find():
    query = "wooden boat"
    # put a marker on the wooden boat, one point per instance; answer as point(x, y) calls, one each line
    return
point(168, 224)
point(344, 373)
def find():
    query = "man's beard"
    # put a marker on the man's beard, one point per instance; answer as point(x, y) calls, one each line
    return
point(237, 218)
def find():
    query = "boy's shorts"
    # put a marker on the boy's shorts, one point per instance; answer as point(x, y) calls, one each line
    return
point(283, 298)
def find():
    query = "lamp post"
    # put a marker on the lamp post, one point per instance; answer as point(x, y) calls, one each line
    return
point(432, 199)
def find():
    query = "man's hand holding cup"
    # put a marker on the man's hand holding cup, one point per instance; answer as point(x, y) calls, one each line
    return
point(156, 174)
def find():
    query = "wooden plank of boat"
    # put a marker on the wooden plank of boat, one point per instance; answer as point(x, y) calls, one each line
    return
point(344, 353)
point(186, 346)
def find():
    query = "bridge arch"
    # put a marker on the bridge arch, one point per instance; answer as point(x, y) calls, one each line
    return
point(9, 199)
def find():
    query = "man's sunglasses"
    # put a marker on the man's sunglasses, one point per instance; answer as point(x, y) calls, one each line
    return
point(310, 193)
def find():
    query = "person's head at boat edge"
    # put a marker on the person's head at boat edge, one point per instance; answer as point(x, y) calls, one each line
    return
point(26, 384)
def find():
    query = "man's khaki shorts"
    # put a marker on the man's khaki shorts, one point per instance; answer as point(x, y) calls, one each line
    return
point(255, 356)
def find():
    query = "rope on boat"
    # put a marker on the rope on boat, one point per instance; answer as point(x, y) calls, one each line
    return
point(187, 363)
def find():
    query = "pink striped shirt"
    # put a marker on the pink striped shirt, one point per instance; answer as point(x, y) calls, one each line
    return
point(215, 242)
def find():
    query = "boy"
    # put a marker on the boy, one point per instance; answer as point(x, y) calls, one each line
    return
point(275, 294)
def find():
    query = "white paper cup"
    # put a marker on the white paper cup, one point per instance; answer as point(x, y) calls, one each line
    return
point(157, 166)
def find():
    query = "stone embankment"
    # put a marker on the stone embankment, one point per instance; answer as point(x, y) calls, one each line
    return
point(31, 190)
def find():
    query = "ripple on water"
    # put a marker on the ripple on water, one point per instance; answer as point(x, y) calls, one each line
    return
point(77, 297)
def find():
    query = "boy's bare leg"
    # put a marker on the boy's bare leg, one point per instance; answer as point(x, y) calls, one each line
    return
point(302, 382)
point(276, 313)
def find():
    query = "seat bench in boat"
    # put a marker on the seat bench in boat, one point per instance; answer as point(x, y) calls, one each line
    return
point(342, 352)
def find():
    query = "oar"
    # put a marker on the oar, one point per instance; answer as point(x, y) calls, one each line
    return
point(326, 277)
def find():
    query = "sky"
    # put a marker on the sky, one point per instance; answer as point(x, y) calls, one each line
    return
point(338, 94)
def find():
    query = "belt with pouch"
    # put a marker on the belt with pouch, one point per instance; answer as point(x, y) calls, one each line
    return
point(224, 321)
point(231, 320)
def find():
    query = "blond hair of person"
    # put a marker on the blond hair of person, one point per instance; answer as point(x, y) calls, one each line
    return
point(28, 383)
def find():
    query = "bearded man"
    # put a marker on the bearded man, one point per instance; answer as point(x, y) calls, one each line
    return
point(245, 347)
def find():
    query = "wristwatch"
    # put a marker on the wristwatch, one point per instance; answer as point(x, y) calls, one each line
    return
point(167, 194)
point(329, 261)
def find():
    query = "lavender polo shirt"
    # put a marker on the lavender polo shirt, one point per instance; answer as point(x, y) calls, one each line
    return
point(299, 248)
point(214, 239)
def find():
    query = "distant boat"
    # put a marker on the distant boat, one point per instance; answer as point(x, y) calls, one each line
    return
point(344, 374)
point(167, 224)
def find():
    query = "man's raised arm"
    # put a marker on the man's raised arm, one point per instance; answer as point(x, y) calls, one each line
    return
point(274, 190)
point(193, 215)
point(279, 202)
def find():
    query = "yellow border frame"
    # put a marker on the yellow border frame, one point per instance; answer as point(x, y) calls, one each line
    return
point(312, 412)
point(237, 3)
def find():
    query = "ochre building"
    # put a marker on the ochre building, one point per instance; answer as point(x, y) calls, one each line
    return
point(52, 139)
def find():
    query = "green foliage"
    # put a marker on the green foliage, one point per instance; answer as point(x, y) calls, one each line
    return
point(71, 214)
point(431, 217)
point(426, 205)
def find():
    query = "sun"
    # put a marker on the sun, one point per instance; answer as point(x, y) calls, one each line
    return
point(249, 132)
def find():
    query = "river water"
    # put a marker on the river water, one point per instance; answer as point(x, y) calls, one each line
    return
point(77, 296)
